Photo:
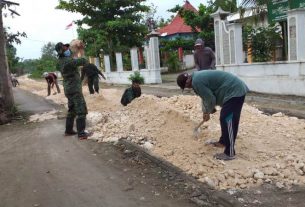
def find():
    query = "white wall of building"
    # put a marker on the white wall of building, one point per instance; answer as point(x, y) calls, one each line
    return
point(283, 78)
point(189, 61)
point(150, 76)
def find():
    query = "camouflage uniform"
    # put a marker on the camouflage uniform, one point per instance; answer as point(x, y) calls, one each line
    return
point(73, 92)
point(92, 72)
point(130, 94)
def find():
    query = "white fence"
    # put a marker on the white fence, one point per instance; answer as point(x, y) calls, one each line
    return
point(152, 73)
point(283, 78)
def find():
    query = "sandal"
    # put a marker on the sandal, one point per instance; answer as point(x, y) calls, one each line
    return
point(84, 135)
point(223, 156)
point(214, 143)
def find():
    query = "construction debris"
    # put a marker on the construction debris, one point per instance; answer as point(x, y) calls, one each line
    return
point(270, 149)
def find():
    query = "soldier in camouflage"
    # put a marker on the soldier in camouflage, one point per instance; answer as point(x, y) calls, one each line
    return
point(73, 90)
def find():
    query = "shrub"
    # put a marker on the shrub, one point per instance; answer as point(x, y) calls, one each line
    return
point(173, 62)
point(136, 76)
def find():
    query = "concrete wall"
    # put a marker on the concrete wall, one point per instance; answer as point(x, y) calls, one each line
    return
point(152, 73)
point(189, 61)
point(283, 78)
point(150, 76)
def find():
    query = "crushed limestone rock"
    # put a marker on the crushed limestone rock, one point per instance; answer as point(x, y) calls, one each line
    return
point(270, 149)
point(43, 117)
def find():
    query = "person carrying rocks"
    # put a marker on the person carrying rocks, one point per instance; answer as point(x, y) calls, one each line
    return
point(51, 79)
point(92, 73)
point(73, 91)
point(223, 89)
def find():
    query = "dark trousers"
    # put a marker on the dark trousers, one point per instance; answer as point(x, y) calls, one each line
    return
point(76, 107)
point(229, 121)
point(93, 84)
point(49, 87)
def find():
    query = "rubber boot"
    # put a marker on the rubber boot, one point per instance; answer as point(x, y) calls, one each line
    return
point(69, 127)
point(81, 126)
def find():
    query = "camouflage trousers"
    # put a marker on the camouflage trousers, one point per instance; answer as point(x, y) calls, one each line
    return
point(93, 84)
point(76, 106)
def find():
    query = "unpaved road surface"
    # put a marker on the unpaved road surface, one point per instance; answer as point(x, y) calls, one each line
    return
point(41, 167)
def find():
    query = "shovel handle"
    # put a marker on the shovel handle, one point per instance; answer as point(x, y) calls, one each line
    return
point(199, 125)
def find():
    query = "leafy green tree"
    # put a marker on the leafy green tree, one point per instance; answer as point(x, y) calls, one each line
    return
point(12, 38)
point(112, 24)
point(203, 20)
point(230, 6)
point(12, 58)
point(47, 62)
point(162, 22)
point(262, 41)
point(28, 65)
point(48, 51)
point(253, 3)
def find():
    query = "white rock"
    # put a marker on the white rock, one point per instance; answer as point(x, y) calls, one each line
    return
point(232, 191)
point(112, 139)
point(248, 174)
point(231, 173)
point(243, 186)
point(241, 200)
point(148, 145)
point(279, 185)
point(210, 182)
point(131, 128)
point(260, 182)
point(280, 114)
point(299, 165)
point(286, 173)
point(258, 175)
point(299, 172)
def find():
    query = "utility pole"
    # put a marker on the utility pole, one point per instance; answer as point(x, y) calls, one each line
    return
point(6, 93)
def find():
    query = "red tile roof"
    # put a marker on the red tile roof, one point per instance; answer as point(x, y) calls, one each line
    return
point(177, 25)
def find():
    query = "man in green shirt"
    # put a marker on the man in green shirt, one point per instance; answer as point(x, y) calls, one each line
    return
point(223, 89)
point(73, 91)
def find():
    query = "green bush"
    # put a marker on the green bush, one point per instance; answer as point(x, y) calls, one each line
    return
point(136, 76)
point(173, 62)
point(262, 40)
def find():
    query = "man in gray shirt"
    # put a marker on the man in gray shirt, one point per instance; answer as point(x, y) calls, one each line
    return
point(204, 56)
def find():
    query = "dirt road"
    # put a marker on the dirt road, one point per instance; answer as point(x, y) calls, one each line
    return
point(41, 167)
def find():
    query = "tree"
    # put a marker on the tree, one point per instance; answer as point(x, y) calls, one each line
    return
point(47, 62)
point(6, 94)
point(253, 3)
point(262, 42)
point(11, 38)
point(113, 24)
point(48, 51)
point(203, 19)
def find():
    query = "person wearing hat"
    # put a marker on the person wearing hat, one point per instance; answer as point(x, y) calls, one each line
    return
point(204, 56)
point(223, 89)
point(73, 91)
point(51, 79)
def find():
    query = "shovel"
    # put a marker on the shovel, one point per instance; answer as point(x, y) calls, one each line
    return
point(196, 130)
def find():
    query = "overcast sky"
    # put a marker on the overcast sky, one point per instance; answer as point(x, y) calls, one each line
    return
point(43, 23)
